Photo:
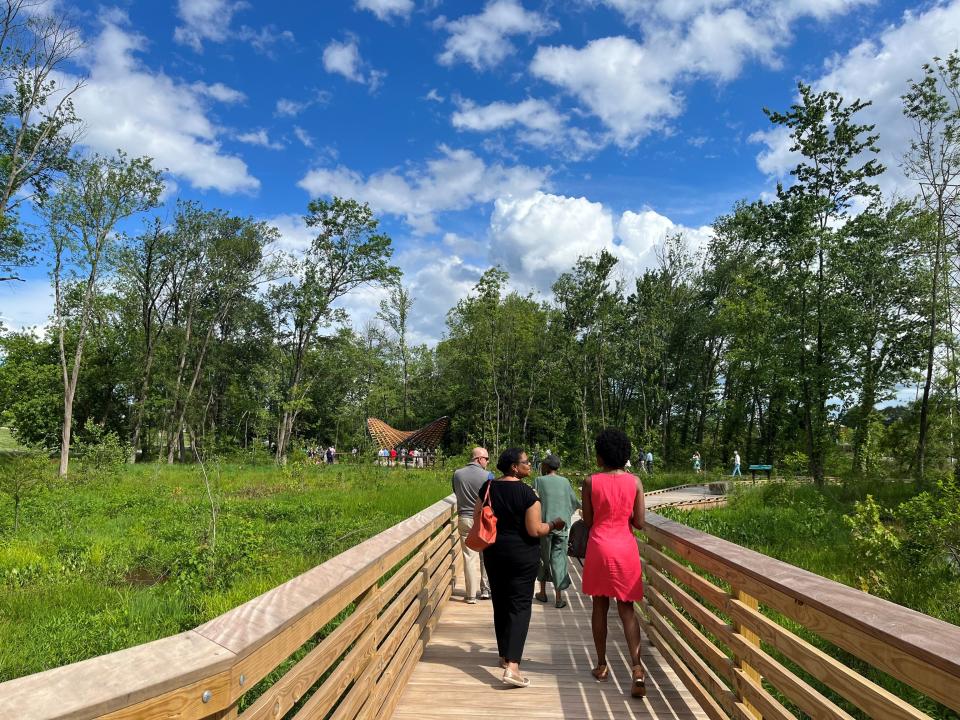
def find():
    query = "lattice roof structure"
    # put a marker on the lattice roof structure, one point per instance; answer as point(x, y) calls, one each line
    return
point(427, 437)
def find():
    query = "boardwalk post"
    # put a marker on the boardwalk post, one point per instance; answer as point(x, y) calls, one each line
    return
point(751, 637)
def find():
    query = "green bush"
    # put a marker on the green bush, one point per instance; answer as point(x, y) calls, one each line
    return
point(931, 522)
point(23, 476)
point(874, 543)
point(101, 454)
point(795, 463)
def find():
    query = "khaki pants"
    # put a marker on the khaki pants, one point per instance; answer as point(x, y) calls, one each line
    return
point(474, 573)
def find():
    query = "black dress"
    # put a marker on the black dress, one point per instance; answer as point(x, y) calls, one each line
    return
point(512, 563)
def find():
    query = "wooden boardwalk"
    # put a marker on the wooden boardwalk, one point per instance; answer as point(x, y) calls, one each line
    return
point(458, 677)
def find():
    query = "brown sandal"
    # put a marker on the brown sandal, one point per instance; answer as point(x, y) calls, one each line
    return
point(638, 688)
point(601, 673)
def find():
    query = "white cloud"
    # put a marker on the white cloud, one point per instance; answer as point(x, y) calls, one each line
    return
point(455, 180)
point(295, 236)
point(540, 236)
point(261, 138)
point(287, 107)
point(212, 19)
point(343, 58)
point(635, 87)
point(531, 114)
point(878, 70)
point(434, 96)
point(125, 105)
point(386, 9)
point(204, 20)
point(220, 93)
point(436, 283)
point(303, 136)
point(642, 234)
point(537, 123)
point(481, 40)
point(619, 80)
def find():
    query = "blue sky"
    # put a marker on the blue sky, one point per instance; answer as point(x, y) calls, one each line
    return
point(515, 132)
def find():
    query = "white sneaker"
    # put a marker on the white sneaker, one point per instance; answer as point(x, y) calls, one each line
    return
point(484, 595)
point(471, 601)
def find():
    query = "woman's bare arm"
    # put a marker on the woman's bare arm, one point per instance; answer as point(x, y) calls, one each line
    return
point(639, 507)
point(536, 528)
point(586, 509)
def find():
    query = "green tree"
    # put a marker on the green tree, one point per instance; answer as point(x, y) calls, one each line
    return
point(932, 104)
point(347, 252)
point(38, 121)
point(883, 286)
point(831, 175)
point(22, 476)
point(145, 272)
point(220, 260)
point(395, 314)
point(31, 393)
point(96, 194)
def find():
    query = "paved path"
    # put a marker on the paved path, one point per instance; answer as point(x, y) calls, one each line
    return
point(698, 495)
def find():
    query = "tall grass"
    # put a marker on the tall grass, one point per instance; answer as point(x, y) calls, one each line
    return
point(803, 526)
point(109, 563)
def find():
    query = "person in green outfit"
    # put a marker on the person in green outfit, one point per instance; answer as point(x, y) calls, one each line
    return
point(557, 499)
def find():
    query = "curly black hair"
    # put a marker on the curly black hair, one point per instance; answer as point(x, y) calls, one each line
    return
point(508, 458)
point(613, 448)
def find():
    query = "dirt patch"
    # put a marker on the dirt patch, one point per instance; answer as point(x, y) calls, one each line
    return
point(143, 577)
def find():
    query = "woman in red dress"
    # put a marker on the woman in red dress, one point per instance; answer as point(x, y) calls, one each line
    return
point(612, 507)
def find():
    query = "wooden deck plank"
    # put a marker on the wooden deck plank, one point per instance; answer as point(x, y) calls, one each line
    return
point(458, 676)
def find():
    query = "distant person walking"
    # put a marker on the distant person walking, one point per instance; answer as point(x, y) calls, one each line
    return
point(557, 500)
point(696, 461)
point(648, 460)
point(466, 484)
point(612, 507)
point(512, 560)
point(736, 464)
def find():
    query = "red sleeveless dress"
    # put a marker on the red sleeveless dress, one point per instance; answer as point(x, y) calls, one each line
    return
point(612, 565)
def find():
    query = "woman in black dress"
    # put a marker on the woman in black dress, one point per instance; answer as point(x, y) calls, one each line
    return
point(512, 561)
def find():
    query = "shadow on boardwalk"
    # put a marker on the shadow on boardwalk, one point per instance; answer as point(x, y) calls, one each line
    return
point(458, 676)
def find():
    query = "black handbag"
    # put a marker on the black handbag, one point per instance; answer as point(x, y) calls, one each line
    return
point(577, 542)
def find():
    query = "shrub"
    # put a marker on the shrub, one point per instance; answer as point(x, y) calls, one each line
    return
point(795, 463)
point(22, 476)
point(931, 521)
point(874, 543)
point(101, 453)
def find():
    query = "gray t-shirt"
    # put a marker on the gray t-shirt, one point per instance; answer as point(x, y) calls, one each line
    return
point(466, 484)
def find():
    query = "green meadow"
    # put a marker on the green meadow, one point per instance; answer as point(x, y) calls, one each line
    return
point(115, 560)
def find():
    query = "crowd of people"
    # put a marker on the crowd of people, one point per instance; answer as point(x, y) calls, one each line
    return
point(532, 527)
point(407, 457)
point(319, 456)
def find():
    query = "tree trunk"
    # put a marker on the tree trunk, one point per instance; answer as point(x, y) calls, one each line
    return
point(931, 347)
point(141, 409)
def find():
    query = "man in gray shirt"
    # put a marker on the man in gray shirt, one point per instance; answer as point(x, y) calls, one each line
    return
point(466, 484)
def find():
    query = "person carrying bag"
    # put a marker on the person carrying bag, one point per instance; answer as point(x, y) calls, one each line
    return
point(483, 534)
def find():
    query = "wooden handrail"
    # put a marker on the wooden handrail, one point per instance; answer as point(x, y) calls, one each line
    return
point(725, 642)
point(202, 674)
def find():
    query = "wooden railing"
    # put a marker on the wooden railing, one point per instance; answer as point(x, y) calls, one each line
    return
point(388, 591)
point(718, 613)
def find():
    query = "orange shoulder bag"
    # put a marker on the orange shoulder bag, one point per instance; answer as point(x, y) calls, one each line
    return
point(483, 534)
